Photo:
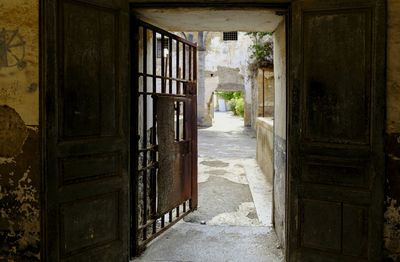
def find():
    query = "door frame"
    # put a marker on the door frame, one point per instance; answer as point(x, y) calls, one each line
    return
point(43, 71)
point(282, 9)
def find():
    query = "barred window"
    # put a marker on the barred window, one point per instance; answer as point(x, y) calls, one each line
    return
point(230, 36)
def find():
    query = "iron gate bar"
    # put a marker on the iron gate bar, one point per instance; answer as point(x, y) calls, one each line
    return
point(164, 32)
point(153, 180)
point(177, 68)
point(162, 65)
point(151, 148)
point(134, 158)
point(170, 63)
point(184, 61)
point(190, 62)
point(144, 139)
point(165, 77)
point(162, 230)
point(147, 148)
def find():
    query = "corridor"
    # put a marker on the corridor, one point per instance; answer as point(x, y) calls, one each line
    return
point(233, 220)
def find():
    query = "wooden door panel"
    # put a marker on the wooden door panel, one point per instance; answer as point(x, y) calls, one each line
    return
point(90, 48)
point(336, 164)
point(342, 37)
point(335, 171)
point(94, 227)
point(320, 232)
point(86, 134)
point(90, 167)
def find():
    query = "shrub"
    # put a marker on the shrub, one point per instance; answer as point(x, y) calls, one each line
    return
point(239, 107)
point(232, 104)
point(235, 101)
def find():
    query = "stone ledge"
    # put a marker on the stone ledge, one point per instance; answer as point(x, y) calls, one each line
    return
point(266, 122)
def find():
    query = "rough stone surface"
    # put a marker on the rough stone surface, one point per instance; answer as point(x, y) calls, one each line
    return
point(20, 203)
point(265, 146)
point(392, 198)
point(19, 138)
point(19, 63)
point(269, 92)
point(13, 132)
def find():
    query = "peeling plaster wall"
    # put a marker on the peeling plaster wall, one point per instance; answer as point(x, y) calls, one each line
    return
point(392, 201)
point(19, 139)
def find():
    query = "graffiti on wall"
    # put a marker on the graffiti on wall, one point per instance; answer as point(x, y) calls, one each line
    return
point(12, 49)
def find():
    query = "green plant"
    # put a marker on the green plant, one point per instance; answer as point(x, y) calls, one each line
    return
point(232, 104)
point(226, 95)
point(261, 50)
point(239, 107)
point(234, 100)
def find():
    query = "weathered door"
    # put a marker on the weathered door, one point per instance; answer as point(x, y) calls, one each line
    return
point(164, 121)
point(336, 127)
point(85, 91)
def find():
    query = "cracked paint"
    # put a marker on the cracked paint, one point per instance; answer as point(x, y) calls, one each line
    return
point(392, 229)
point(19, 203)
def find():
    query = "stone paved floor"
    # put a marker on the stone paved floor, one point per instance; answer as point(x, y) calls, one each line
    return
point(234, 201)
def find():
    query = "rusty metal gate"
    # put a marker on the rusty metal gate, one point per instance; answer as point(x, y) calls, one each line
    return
point(164, 119)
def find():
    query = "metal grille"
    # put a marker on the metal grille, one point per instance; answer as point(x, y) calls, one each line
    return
point(230, 36)
point(164, 68)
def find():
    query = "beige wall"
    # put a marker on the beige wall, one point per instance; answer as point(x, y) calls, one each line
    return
point(269, 92)
point(19, 120)
point(19, 84)
point(265, 146)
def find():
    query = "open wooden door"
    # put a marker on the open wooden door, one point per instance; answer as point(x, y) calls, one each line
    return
point(164, 121)
point(336, 128)
point(85, 127)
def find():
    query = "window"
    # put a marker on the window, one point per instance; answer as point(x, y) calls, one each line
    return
point(230, 36)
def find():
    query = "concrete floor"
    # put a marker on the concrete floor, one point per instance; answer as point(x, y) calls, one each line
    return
point(235, 201)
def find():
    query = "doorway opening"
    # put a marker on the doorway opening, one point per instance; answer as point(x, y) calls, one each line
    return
point(232, 188)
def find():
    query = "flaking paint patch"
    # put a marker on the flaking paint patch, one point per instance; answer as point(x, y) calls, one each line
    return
point(392, 230)
point(6, 160)
point(19, 203)
point(13, 132)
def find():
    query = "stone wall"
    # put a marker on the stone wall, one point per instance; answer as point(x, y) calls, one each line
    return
point(269, 92)
point(19, 139)
point(265, 146)
point(280, 157)
point(392, 198)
